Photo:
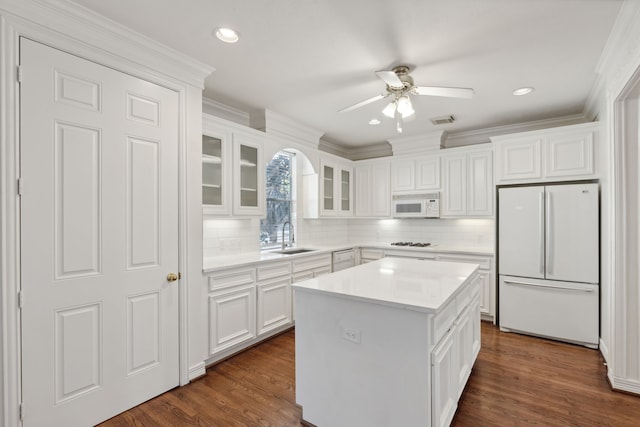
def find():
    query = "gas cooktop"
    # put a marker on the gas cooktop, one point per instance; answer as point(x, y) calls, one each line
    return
point(415, 244)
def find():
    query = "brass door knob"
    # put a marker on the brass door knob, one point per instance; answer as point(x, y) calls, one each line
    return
point(172, 277)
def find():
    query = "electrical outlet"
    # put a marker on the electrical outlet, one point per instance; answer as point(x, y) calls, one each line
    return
point(351, 335)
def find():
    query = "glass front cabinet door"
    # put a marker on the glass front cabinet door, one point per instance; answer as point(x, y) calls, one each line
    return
point(249, 177)
point(216, 155)
point(346, 186)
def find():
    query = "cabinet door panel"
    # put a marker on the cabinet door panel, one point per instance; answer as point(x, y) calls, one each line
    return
point(363, 191)
point(480, 189)
point(519, 159)
point(274, 304)
point(381, 203)
point(455, 186)
point(444, 380)
point(428, 173)
point(402, 175)
point(232, 318)
point(570, 154)
point(249, 176)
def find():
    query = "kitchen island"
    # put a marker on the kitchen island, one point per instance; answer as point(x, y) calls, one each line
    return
point(386, 343)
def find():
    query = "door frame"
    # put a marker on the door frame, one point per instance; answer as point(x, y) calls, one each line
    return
point(83, 33)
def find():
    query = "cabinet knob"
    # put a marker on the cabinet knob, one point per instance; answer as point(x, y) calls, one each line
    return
point(172, 277)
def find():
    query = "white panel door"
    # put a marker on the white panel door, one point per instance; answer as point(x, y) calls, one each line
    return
point(455, 185)
point(99, 235)
point(521, 231)
point(380, 191)
point(572, 233)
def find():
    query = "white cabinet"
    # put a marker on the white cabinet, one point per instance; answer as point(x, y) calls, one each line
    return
point(369, 254)
point(558, 154)
point(232, 309)
point(232, 169)
point(216, 169)
point(444, 397)
point(274, 304)
point(274, 295)
point(330, 192)
point(468, 183)
point(248, 175)
point(307, 268)
point(485, 278)
point(415, 174)
point(372, 190)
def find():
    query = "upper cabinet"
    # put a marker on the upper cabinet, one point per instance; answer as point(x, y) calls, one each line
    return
point(216, 171)
point(468, 183)
point(248, 175)
point(233, 170)
point(557, 154)
point(415, 174)
point(372, 189)
point(329, 193)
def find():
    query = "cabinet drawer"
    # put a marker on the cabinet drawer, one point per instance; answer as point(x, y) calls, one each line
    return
point(271, 270)
point(229, 278)
point(444, 320)
point(311, 262)
point(342, 256)
point(299, 277)
point(321, 271)
point(467, 295)
point(371, 254)
point(483, 262)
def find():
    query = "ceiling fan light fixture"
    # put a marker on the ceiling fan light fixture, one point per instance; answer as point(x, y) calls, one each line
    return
point(227, 35)
point(390, 110)
point(404, 107)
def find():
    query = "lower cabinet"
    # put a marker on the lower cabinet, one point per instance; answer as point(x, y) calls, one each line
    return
point(486, 277)
point(248, 304)
point(444, 396)
point(232, 317)
point(454, 355)
point(274, 304)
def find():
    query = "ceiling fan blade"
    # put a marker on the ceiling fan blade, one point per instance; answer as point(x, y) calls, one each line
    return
point(452, 92)
point(363, 103)
point(390, 78)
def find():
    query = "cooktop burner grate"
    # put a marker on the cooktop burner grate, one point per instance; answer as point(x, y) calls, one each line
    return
point(415, 244)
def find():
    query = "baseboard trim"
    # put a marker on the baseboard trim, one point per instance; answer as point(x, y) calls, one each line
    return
point(197, 371)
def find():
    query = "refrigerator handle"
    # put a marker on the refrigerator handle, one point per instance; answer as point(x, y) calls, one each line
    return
point(549, 235)
point(541, 231)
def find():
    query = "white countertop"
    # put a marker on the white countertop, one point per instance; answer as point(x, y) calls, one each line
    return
point(420, 285)
point(227, 261)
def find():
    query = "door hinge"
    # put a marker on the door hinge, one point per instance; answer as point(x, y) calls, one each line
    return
point(21, 411)
point(19, 185)
point(179, 275)
point(20, 299)
point(19, 72)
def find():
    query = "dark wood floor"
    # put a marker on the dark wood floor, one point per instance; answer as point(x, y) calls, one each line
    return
point(516, 381)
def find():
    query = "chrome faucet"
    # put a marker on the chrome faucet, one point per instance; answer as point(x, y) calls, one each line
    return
point(292, 239)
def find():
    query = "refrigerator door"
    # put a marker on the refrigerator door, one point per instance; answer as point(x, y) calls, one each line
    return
point(572, 233)
point(548, 308)
point(521, 231)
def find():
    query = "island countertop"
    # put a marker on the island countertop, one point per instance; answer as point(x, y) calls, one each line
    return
point(419, 285)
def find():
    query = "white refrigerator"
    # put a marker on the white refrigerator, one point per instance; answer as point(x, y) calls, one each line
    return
point(548, 257)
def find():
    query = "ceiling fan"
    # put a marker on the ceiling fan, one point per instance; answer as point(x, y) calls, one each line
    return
point(400, 85)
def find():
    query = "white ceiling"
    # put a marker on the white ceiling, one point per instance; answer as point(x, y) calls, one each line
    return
point(307, 59)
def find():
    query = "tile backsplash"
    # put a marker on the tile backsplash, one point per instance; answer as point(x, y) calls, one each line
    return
point(234, 236)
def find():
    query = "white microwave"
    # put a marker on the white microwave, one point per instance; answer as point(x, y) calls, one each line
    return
point(416, 205)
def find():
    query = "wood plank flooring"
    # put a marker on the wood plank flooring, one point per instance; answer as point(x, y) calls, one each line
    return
point(516, 381)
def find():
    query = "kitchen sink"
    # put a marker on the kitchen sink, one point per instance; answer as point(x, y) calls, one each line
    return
point(292, 251)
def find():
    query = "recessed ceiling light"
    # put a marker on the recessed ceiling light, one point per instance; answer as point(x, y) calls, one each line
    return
point(374, 122)
point(523, 91)
point(227, 35)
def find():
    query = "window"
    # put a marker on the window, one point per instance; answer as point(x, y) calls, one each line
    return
point(280, 201)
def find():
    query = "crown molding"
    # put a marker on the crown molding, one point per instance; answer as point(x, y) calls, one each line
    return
point(276, 124)
point(417, 144)
point(481, 136)
point(99, 33)
point(225, 111)
point(372, 151)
